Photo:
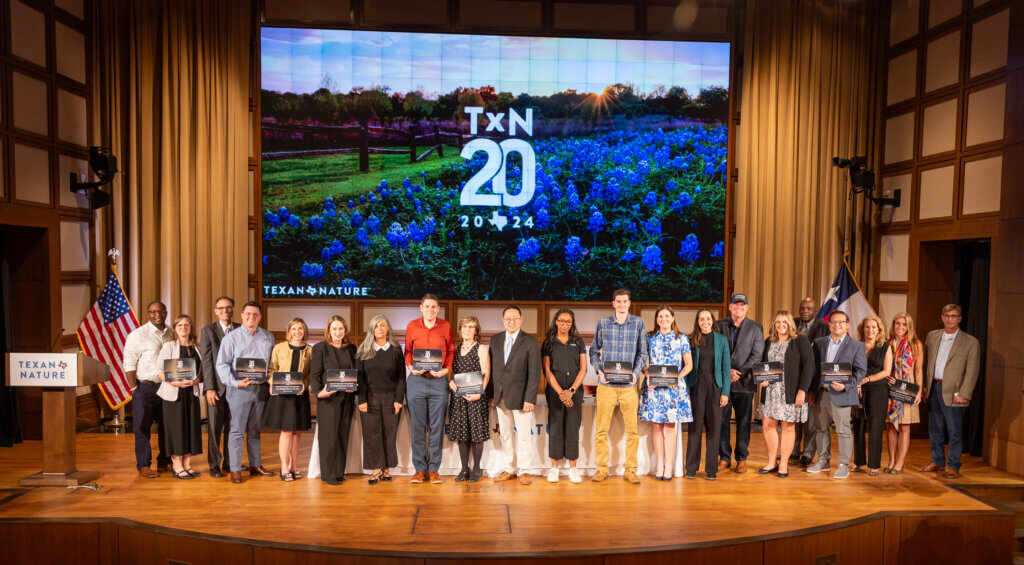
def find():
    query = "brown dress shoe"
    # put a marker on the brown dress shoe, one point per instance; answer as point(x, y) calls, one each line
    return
point(434, 477)
point(723, 464)
point(418, 477)
point(147, 473)
point(236, 477)
point(930, 468)
point(504, 476)
point(741, 467)
point(524, 479)
point(952, 474)
point(259, 470)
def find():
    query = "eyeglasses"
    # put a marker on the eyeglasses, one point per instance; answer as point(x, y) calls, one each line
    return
point(563, 321)
point(512, 319)
point(224, 308)
point(838, 322)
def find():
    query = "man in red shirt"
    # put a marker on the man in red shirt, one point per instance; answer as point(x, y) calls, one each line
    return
point(427, 390)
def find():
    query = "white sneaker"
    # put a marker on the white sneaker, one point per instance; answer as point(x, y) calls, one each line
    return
point(553, 475)
point(574, 476)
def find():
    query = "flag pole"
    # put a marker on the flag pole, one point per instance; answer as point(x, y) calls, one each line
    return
point(117, 425)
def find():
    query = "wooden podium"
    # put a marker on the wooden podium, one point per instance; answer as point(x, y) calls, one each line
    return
point(57, 374)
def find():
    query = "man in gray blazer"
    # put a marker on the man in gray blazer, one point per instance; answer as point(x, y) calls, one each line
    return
point(746, 344)
point(515, 376)
point(833, 402)
point(950, 373)
point(217, 412)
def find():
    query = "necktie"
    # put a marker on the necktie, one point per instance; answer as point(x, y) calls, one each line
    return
point(508, 346)
point(227, 330)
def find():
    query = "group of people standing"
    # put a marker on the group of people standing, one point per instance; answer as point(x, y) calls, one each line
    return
point(714, 364)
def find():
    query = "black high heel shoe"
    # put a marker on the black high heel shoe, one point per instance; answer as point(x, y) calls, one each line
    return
point(462, 476)
point(375, 478)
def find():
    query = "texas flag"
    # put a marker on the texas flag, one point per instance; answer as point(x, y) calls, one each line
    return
point(846, 295)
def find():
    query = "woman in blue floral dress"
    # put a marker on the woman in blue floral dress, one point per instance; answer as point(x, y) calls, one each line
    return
point(665, 407)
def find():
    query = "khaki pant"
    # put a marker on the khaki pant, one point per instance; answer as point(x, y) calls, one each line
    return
point(628, 401)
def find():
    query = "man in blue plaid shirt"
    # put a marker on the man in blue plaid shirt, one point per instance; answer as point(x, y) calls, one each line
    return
point(618, 338)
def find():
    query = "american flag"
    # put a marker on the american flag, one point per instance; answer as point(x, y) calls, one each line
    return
point(102, 335)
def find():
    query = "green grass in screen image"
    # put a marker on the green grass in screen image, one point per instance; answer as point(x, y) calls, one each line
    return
point(303, 183)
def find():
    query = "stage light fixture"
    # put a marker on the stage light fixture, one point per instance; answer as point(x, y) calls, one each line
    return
point(863, 179)
point(104, 165)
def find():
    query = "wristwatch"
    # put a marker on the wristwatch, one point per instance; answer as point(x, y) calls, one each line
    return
point(572, 390)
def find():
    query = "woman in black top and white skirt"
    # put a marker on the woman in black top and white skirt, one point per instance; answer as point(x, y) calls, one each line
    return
point(183, 437)
point(469, 416)
point(381, 393)
point(333, 409)
point(290, 413)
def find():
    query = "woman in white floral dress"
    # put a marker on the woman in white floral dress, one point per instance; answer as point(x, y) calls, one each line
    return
point(664, 407)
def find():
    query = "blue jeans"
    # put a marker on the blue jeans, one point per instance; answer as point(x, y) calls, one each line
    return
point(427, 398)
point(743, 404)
point(942, 420)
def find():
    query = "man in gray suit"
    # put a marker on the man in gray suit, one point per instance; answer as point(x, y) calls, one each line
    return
point(951, 371)
point(217, 412)
point(515, 376)
point(833, 402)
point(746, 344)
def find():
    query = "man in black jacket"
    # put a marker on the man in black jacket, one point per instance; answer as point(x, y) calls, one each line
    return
point(746, 345)
point(813, 328)
point(219, 417)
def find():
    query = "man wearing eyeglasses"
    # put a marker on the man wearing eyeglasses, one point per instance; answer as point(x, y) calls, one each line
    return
point(833, 401)
point(515, 366)
point(142, 369)
point(217, 410)
point(951, 371)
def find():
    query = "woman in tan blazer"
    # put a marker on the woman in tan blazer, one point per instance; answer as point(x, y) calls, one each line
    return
point(290, 413)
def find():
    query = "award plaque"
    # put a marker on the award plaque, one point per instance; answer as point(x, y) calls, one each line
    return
point(469, 383)
point(286, 382)
point(836, 373)
point(341, 380)
point(663, 375)
point(427, 359)
point(904, 391)
point(179, 370)
point(770, 372)
point(618, 372)
point(251, 368)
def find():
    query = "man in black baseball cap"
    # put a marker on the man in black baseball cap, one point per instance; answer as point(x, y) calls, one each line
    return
point(746, 344)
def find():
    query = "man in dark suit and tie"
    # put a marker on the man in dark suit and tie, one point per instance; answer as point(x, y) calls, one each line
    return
point(950, 373)
point(833, 402)
point(218, 414)
point(515, 376)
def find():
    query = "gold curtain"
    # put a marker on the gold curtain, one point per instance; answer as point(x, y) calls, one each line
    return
point(172, 92)
point(810, 91)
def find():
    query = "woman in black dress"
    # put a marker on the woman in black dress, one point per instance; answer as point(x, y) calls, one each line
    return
point(290, 413)
point(183, 437)
point(381, 367)
point(333, 409)
point(469, 416)
point(874, 394)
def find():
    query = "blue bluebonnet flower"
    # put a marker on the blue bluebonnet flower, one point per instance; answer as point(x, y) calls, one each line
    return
point(271, 218)
point(612, 191)
point(362, 198)
point(652, 259)
point(348, 283)
point(397, 236)
point(573, 250)
point(415, 232)
point(312, 270)
point(356, 220)
point(383, 183)
point(670, 186)
point(338, 267)
point(336, 248)
point(406, 182)
point(316, 223)
point(283, 213)
point(681, 202)
point(527, 249)
point(689, 250)
point(696, 190)
point(429, 226)
point(394, 209)
point(362, 238)
point(574, 200)
point(266, 260)
point(293, 221)
point(653, 226)
point(650, 199)
point(329, 210)
point(373, 198)
point(423, 174)
point(437, 184)
point(628, 255)
point(269, 234)
point(596, 221)
point(643, 168)
point(418, 205)
point(351, 204)
point(445, 209)
point(373, 224)
point(451, 194)
point(718, 250)
point(542, 219)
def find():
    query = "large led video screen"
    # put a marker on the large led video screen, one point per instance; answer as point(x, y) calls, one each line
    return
point(486, 167)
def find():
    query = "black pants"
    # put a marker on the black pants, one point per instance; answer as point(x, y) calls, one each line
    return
point(707, 415)
point(334, 422)
point(564, 426)
point(218, 426)
point(147, 407)
point(872, 421)
point(380, 430)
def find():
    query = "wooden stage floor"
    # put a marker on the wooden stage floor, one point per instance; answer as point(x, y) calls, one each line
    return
point(402, 519)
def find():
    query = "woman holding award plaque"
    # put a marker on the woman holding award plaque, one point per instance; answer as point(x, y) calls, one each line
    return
point(908, 358)
point(179, 390)
point(288, 409)
point(874, 394)
point(784, 402)
point(469, 414)
point(381, 367)
point(333, 360)
point(663, 405)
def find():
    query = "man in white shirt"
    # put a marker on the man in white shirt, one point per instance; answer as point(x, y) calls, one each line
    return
point(142, 369)
point(217, 410)
point(953, 358)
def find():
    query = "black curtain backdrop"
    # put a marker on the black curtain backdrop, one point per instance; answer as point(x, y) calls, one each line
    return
point(970, 290)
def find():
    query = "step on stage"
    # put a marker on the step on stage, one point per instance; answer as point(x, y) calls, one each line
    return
point(749, 518)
